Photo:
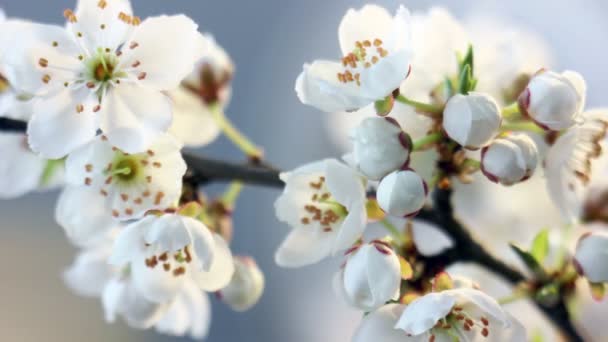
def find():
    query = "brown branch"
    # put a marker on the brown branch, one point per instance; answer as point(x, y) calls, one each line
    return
point(202, 170)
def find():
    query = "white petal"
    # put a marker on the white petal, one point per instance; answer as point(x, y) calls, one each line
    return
point(189, 312)
point(384, 275)
point(92, 17)
point(579, 84)
point(130, 242)
point(20, 170)
point(304, 247)
point(133, 116)
point(120, 298)
point(90, 272)
point(368, 23)
point(84, 217)
point(96, 153)
point(221, 270)
point(168, 233)
point(203, 242)
point(481, 301)
point(380, 326)
point(345, 184)
point(384, 77)
point(57, 128)
point(193, 123)
point(351, 228)
point(423, 313)
point(168, 48)
point(155, 284)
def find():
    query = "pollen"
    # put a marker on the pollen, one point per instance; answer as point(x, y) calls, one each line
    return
point(136, 64)
point(46, 79)
point(88, 181)
point(43, 62)
point(133, 45)
point(79, 108)
point(88, 167)
point(362, 56)
point(158, 198)
point(102, 4)
point(142, 76)
point(70, 16)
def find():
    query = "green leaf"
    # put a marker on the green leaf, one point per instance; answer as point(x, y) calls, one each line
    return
point(468, 59)
point(530, 261)
point(464, 80)
point(540, 246)
point(448, 88)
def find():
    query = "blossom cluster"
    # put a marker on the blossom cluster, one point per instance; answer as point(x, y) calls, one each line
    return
point(110, 100)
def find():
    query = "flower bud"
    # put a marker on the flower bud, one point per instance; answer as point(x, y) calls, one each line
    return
point(554, 100)
point(380, 147)
point(503, 162)
point(591, 257)
point(246, 286)
point(471, 120)
point(402, 193)
point(528, 149)
point(370, 277)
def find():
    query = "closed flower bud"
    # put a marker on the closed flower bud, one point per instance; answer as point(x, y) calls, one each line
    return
point(591, 257)
point(528, 149)
point(554, 100)
point(503, 162)
point(370, 277)
point(380, 147)
point(246, 286)
point(471, 120)
point(402, 193)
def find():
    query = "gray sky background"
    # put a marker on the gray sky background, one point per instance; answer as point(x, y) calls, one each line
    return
point(269, 41)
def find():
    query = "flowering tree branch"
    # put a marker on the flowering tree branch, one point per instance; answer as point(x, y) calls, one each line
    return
point(202, 170)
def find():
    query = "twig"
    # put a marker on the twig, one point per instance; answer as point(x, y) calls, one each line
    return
point(202, 170)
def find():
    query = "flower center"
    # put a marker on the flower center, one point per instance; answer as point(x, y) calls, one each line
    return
point(322, 208)
point(101, 68)
point(459, 319)
point(126, 168)
point(176, 263)
point(365, 54)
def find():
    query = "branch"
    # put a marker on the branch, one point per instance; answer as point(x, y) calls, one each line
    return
point(466, 248)
point(202, 170)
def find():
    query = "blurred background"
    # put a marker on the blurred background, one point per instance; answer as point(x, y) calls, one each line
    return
point(269, 40)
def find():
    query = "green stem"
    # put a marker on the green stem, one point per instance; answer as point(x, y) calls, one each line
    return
point(399, 237)
point(427, 140)
point(521, 126)
point(434, 110)
point(232, 194)
point(511, 112)
point(232, 133)
point(472, 163)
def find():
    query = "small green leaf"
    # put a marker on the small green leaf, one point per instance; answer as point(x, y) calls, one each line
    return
point(468, 59)
point(448, 88)
point(464, 80)
point(530, 262)
point(540, 246)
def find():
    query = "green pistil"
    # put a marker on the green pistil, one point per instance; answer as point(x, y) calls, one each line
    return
point(334, 206)
point(127, 168)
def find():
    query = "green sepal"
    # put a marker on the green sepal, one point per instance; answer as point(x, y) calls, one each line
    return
point(530, 261)
point(540, 246)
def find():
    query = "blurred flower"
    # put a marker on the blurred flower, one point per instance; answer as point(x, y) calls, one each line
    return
point(568, 165)
point(377, 52)
point(131, 183)
point(166, 252)
point(380, 147)
point(107, 69)
point(380, 326)
point(402, 193)
point(472, 120)
point(471, 313)
point(324, 203)
point(553, 101)
point(208, 85)
point(370, 277)
point(246, 287)
point(591, 257)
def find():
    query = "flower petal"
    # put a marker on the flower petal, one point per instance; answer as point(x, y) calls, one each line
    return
point(59, 126)
point(133, 116)
point(380, 326)
point(154, 283)
point(189, 312)
point(167, 48)
point(351, 229)
point(368, 23)
point(121, 298)
point(304, 247)
point(193, 123)
point(221, 270)
point(130, 242)
point(423, 313)
point(90, 272)
point(20, 170)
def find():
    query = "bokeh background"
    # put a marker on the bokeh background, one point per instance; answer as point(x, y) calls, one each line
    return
point(269, 41)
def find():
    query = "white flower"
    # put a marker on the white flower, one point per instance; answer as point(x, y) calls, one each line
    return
point(324, 203)
point(90, 271)
point(106, 70)
point(131, 183)
point(370, 277)
point(380, 147)
point(591, 256)
point(166, 252)
point(470, 314)
point(472, 120)
point(402, 193)
point(208, 85)
point(83, 215)
point(552, 100)
point(380, 326)
point(377, 52)
point(246, 287)
point(568, 164)
point(21, 170)
point(503, 162)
